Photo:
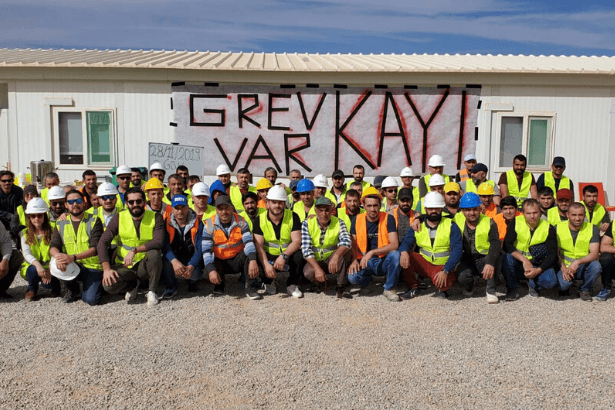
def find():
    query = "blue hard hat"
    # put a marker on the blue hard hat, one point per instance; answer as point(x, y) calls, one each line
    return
point(470, 200)
point(305, 185)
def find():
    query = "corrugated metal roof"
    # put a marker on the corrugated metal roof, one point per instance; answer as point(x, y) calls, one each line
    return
point(218, 60)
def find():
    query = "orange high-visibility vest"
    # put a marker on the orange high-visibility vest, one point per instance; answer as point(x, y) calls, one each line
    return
point(492, 211)
point(226, 248)
point(193, 231)
point(463, 175)
point(395, 213)
point(361, 233)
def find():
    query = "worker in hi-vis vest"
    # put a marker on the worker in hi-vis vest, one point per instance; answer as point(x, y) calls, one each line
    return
point(517, 182)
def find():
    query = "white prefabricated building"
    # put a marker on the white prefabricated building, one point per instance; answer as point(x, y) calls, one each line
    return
point(570, 100)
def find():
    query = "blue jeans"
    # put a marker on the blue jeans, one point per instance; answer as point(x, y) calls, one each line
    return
point(34, 280)
point(170, 280)
point(92, 285)
point(588, 272)
point(387, 266)
point(513, 271)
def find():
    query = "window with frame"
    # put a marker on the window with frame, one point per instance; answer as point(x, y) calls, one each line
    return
point(84, 137)
point(528, 134)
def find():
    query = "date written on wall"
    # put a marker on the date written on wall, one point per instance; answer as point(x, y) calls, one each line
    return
point(171, 156)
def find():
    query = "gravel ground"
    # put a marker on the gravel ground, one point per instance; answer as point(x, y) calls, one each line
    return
point(200, 351)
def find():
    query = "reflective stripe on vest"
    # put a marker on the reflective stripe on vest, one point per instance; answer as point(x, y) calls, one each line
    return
point(226, 247)
point(40, 251)
point(76, 243)
point(569, 251)
point(520, 194)
point(271, 244)
point(127, 234)
point(524, 237)
point(299, 209)
point(597, 215)
point(553, 216)
point(564, 183)
point(481, 233)
point(322, 251)
point(361, 233)
point(439, 252)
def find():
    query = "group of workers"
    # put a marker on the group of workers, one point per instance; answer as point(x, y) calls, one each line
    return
point(144, 235)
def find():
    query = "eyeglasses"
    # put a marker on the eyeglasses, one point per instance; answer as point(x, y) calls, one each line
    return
point(123, 178)
point(36, 216)
point(107, 197)
point(6, 181)
point(134, 201)
point(74, 201)
point(390, 191)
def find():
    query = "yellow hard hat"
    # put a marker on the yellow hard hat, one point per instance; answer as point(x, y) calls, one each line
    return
point(153, 183)
point(370, 192)
point(485, 189)
point(263, 183)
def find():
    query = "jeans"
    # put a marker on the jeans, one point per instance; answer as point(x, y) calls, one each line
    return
point(588, 272)
point(91, 280)
point(470, 267)
point(170, 279)
point(387, 266)
point(295, 264)
point(34, 280)
point(513, 271)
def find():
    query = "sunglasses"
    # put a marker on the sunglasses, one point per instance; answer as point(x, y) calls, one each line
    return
point(123, 178)
point(6, 181)
point(107, 197)
point(390, 191)
point(74, 201)
point(36, 216)
point(134, 201)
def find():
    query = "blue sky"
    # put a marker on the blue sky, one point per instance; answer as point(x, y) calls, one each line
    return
point(335, 26)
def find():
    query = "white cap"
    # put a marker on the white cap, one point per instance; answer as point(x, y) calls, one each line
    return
point(56, 192)
point(406, 172)
point(200, 188)
point(320, 181)
point(436, 161)
point(469, 157)
point(37, 206)
point(433, 200)
point(106, 188)
point(123, 169)
point(222, 170)
point(71, 272)
point(277, 193)
point(389, 182)
point(436, 180)
point(157, 166)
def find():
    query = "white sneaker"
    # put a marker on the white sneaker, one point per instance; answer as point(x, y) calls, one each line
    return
point(492, 299)
point(294, 291)
point(270, 289)
point(132, 295)
point(152, 299)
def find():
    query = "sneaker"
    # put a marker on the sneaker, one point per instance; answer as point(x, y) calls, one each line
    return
point(252, 293)
point(152, 299)
point(365, 291)
point(294, 291)
point(585, 296)
point(270, 288)
point(441, 294)
point(391, 295)
point(492, 298)
point(512, 295)
point(168, 293)
point(193, 287)
point(468, 292)
point(70, 297)
point(533, 292)
point(410, 294)
point(340, 292)
point(603, 295)
point(30, 296)
point(218, 290)
point(131, 295)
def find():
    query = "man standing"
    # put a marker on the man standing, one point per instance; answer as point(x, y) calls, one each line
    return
point(324, 244)
point(295, 175)
point(436, 167)
point(158, 171)
point(51, 179)
point(108, 196)
point(375, 236)
point(479, 177)
point(517, 182)
point(555, 178)
point(436, 184)
point(439, 246)
point(320, 188)
point(338, 190)
point(451, 199)
point(531, 246)
point(155, 194)
point(407, 179)
point(508, 214)
point(236, 191)
point(176, 187)
point(123, 174)
point(136, 178)
point(358, 172)
point(200, 198)
point(305, 206)
point(469, 161)
point(140, 235)
point(251, 210)
point(183, 172)
point(595, 213)
point(489, 208)
point(262, 188)
point(559, 213)
point(546, 201)
point(352, 207)
point(11, 196)
point(579, 247)
point(389, 189)
point(90, 186)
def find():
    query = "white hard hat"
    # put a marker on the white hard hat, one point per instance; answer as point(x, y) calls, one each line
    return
point(222, 170)
point(469, 157)
point(157, 166)
point(277, 193)
point(56, 192)
point(106, 188)
point(436, 180)
point(71, 272)
point(37, 206)
point(389, 182)
point(406, 172)
point(433, 200)
point(436, 161)
point(200, 188)
point(320, 181)
point(123, 169)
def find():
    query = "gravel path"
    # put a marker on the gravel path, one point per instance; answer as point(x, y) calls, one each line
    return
point(200, 351)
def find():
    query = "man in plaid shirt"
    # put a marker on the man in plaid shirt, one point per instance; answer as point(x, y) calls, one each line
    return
point(325, 244)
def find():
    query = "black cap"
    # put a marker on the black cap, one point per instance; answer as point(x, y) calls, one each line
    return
point(223, 200)
point(479, 167)
point(338, 173)
point(378, 180)
point(559, 161)
point(405, 193)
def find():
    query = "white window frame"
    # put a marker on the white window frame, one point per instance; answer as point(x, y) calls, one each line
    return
point(501, 168)
point(85, 165)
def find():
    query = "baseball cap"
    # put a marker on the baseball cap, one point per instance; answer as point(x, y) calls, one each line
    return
point(378, 180)
point(479, 167)
point(293, 184)
point(451, 187)
point(179, 200)
point(223, 200)
point(405, 193)
point(469, 157)
point(564, 193)
point(337, 174)
point(559, 161)
point(323, 200)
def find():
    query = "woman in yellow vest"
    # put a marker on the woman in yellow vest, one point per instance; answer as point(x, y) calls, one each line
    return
point(35, 242)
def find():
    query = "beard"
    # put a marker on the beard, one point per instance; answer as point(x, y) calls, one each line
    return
point(137, 211)
point(434, 217)
point(405, 208)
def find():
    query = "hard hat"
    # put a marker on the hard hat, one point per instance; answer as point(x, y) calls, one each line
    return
point(485, 189)
point(452, 187)
point(436, 180)
point(406, 172)
point(389, 182)
point(370, 192)
point(153, 183)
point(263, 183)
point(123, 169)
point(157, 166)
point(469, 200)
point(71, 272)
point(436, 161)
point(320, 181)
point(433, 200)
point(56, 192)
point(106, 188)
point(200, 188)
point(277, 193)
point(37, 206)
point(222, 170)
point(305, 185)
